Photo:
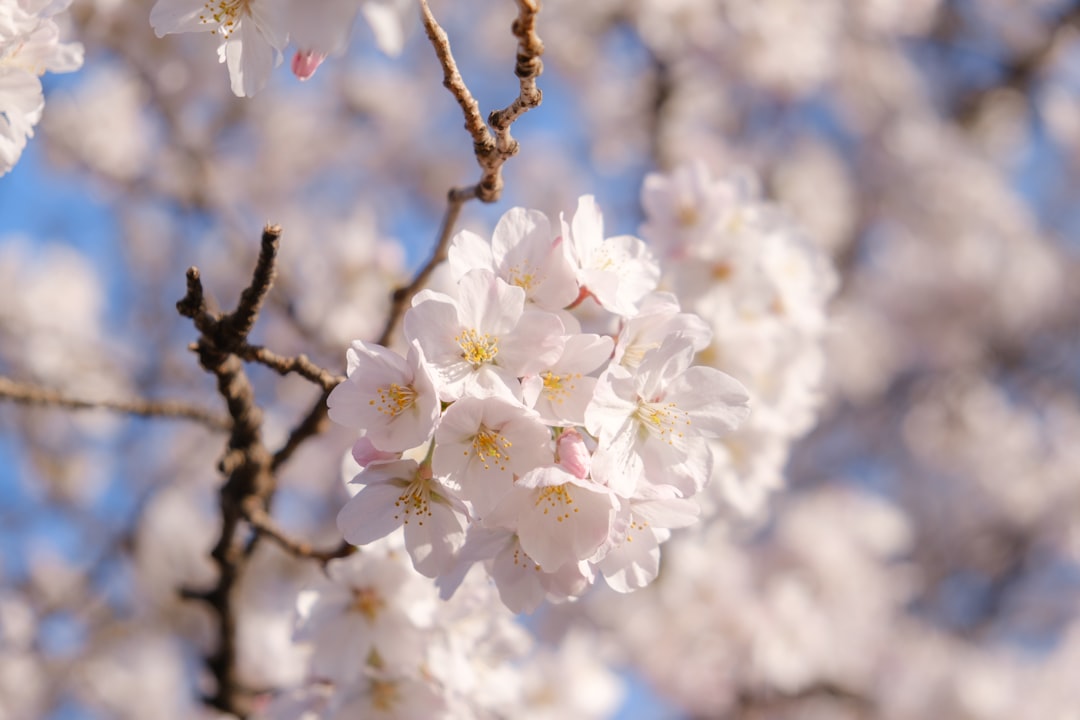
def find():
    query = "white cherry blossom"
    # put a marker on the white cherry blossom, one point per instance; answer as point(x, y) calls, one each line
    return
point(29, 46)
point(652, 426)
point(561, 392)
point(523, 252)
point(658, 319)
point(382, 695)
point(483, 443)
point(559, 518)
point(391, 399)
point(483, 341)
point(369, 603)
point(617, 271)
point(253, 33)
point(633, 561)
point(403, 494)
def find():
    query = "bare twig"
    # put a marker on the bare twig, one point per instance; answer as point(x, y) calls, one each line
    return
point(492, 149)
point(264, 524)
point(26, 394)
point(403, 296)
point(246, 462)
point(452, 81)
point(299, 364)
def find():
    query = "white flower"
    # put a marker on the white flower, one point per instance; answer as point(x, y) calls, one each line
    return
point(617, 271)
point(523, 584)
point(558, 517)
point(391, 399)
point(29, 46)
point(652, 426)
point(634, 560)
point(481, 343)
point(369, 604)
point(658, 319)
point(252, 33)
point(483, 443)
point(403, 493)
point(381, 695)
point(561, 392)
point(522, 252)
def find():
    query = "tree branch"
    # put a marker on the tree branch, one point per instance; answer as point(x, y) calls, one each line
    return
point(299, 364)
point(246, 462)
point(492, 149)
point(264, 524)
point(26, 394)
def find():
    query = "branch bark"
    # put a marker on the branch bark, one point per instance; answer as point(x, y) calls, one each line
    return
point(28, 394)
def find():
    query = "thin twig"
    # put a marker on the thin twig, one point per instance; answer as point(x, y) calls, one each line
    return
point(246, 462)
point(492, 149)
point(403, 296)
point(452, 81)
point(300, 364)
point(264, 524)
point(26, 394)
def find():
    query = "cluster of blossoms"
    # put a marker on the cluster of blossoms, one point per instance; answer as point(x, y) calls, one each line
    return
point(255, 32)
point(383, 645)
point(738, 262)
point(29, 46)
point(508, 435)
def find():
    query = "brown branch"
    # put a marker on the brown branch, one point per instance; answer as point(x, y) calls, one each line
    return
point(492, 149)
point(403, 296)
point(452, 81)
point(264, 525)
point(26, 394)
point(246, 462)
point(1018, 73)
point(759, 705)
point(299, 364)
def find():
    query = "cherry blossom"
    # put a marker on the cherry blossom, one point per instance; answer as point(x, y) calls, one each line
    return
point(392, 399)
point(485, 339)
point(253, 34)
point(402, 493)
point(29, 46)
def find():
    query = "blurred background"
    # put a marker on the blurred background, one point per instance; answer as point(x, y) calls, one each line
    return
point(911, 551)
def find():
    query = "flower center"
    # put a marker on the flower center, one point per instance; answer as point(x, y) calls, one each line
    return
point(524, 278)
point(556, 499)
point(414, 501)
point(687, 215)
point(557, 387)
point(394, 400)
point(477, 348)
point(367, 602)
point(384, 694)
point(226, 14)
point(490, 447)
point(664, 420)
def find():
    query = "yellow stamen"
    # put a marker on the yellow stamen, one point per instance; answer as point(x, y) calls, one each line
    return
point(490, 448)
point(226, 14)
point(394, 399)
point(477, 348)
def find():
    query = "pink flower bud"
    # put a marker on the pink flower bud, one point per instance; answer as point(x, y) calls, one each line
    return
point(305, 63)
point(364, 453)
point(573, 455)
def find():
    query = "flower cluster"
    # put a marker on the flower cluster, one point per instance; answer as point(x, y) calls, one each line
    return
point(739, 263)
point(382, 645)
point(255, 32)
point(508, 435)
point(29, 46)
